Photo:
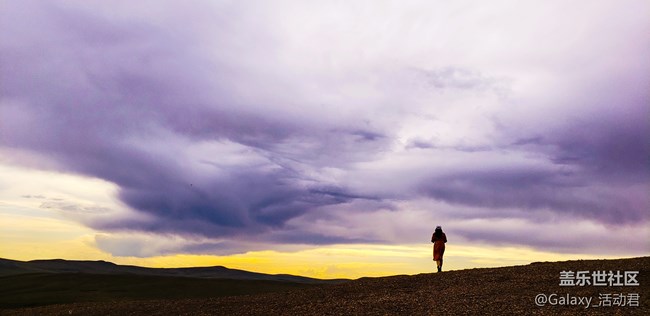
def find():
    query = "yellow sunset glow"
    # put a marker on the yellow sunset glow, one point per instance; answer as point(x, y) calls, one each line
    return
point(29, 231)
point(26, 238)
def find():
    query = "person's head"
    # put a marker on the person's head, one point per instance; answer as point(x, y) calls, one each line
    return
point(438, 231)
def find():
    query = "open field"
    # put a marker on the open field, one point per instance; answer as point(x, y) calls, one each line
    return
point(43, 289)
point(506, 290)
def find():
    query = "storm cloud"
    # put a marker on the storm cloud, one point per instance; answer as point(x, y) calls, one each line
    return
point(251, 125)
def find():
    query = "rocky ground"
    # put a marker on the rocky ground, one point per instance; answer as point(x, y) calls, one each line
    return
point(495, 291)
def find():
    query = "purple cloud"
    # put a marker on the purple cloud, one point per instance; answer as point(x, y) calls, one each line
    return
point(281, 124)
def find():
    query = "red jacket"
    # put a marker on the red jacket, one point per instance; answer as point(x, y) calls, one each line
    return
point(438, 246)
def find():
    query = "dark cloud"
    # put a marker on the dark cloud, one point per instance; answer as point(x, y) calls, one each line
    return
point(562, 192)
point(227, 122)
point(595, 163)
point(614, 149)
point(106, 86)
point(301, 237)
point(160, 245)
point(559, 237)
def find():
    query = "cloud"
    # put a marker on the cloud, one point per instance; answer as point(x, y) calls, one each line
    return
point(531, 188)
point(303, 123)
point(152, 245)
point(572, 236)
point(464, 79)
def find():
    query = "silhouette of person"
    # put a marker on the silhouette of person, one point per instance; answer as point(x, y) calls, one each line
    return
point(438, 239)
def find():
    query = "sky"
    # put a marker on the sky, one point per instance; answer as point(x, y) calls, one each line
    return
point(324, 138)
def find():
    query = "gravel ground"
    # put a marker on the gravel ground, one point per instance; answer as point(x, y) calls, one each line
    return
point(494, 291)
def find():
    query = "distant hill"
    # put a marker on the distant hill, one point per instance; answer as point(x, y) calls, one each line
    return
point(13, 267)
point(483, 291)
point(45, 282)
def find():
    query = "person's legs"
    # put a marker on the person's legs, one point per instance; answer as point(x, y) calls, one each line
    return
point(440, 266)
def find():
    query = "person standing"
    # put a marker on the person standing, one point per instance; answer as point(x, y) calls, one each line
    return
point(438, 239)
